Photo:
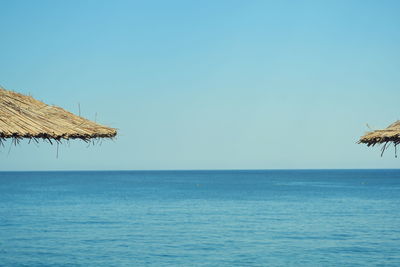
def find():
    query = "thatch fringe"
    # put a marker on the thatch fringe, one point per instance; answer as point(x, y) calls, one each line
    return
point(25, 117)
point(390, 135)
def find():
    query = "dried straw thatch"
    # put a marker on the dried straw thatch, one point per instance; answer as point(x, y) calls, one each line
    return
point(25, 117)
point(387, 136)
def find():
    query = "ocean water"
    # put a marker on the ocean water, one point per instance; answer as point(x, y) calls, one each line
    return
point(200, 218)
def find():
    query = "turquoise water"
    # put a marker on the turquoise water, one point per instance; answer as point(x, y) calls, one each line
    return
point(200, 218)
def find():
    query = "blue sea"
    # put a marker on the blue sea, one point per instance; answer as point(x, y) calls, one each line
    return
point(200, 218)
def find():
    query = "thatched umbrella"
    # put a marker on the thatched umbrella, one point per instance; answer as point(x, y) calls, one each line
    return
point(387, 136)
point(25, 117)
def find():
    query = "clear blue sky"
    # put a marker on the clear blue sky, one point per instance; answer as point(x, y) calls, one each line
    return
point(207, 84)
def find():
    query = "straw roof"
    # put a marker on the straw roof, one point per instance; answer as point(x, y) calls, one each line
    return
point(25, 117)
point(387, 136)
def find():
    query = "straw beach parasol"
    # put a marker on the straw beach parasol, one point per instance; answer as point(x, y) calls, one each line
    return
point(387, 136)
point(25, 117)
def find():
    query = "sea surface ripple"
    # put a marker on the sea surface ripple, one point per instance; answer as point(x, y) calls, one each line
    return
point(200, 218)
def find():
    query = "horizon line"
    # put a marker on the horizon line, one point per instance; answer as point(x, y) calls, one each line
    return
point(199, 170)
